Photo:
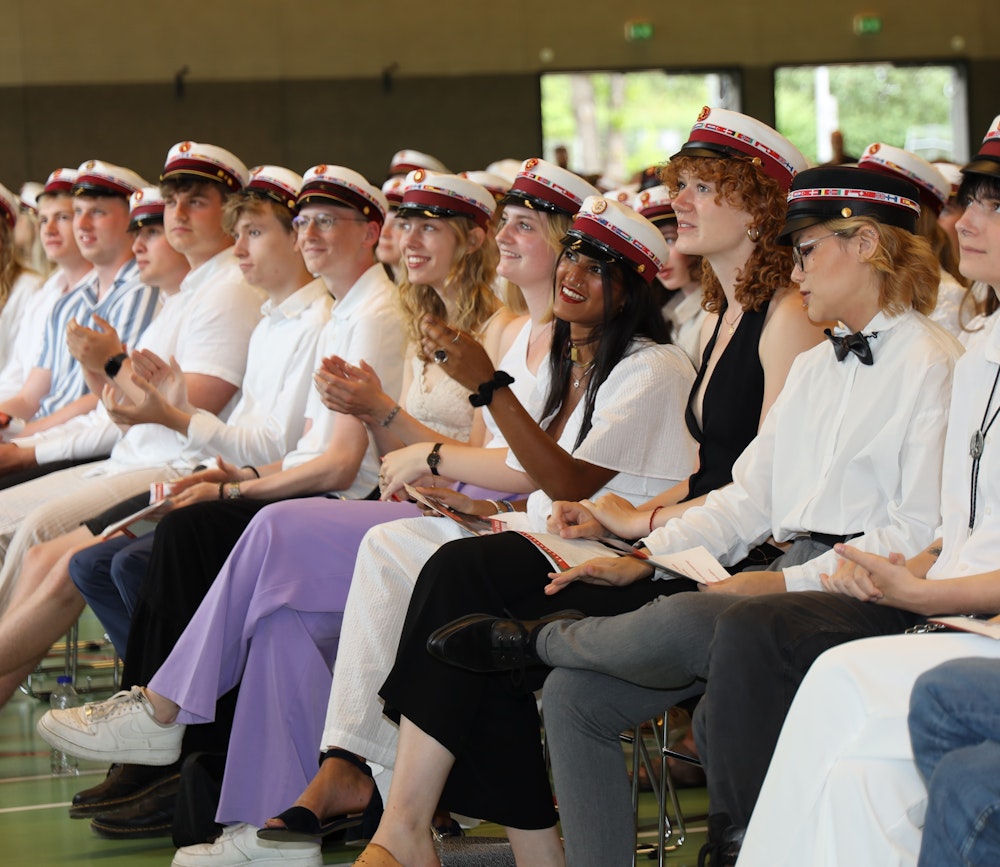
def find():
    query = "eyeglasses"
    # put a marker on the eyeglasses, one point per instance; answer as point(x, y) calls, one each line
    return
point(324, 222)
point(801, 251)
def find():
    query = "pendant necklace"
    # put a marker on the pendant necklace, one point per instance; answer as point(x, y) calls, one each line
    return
point(584, 371)
point(732, 325)
point(976, 446)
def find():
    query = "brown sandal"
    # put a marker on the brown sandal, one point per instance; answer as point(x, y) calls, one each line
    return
point(376, 856)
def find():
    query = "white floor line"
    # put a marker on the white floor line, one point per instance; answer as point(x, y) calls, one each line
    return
point(34, 777)
point(34, 807)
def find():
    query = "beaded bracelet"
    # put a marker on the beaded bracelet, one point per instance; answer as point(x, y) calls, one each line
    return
point(484, 394)
point(392, 414)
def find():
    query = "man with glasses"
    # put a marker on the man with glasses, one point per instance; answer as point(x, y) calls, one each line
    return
point(338, 224)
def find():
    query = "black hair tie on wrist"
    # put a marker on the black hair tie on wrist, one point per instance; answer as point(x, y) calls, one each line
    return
point(484, 394)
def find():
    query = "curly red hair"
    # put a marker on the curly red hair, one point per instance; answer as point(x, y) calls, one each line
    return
point(742, 185)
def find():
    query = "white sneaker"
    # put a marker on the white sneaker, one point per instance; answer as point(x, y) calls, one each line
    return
point(239, 845)
point(120, 729)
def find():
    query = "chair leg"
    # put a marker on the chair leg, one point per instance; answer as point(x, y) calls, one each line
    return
point(671, 834)
point(72, 653)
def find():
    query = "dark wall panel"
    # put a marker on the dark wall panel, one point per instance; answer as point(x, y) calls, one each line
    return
point(467, 122)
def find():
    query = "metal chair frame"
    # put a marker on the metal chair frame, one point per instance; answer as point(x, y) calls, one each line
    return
point(670, 835)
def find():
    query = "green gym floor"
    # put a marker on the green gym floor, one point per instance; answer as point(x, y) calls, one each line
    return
point(35, 830)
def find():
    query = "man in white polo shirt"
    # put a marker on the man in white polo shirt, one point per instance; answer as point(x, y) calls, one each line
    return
point(208, 333)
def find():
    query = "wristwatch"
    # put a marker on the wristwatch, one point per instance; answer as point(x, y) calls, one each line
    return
point(233, 491)
point(434, 458)
point(114, 364)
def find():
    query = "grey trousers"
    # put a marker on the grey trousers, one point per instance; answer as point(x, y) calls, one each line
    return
point(610, 674)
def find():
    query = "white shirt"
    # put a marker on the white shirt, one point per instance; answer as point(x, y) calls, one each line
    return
point(638, 428)
point(514, 362)
point(846, 448)
point(12, 315)
point(26, 345)
point(686, 314)
point(270, 416)
point(949, 301)
point(365, 324)
point(206, 325)
point(963, 553)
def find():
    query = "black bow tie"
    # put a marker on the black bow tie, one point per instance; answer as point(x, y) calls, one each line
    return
point(856, 343)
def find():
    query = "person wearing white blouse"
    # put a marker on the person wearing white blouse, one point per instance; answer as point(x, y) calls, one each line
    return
point(851, 449)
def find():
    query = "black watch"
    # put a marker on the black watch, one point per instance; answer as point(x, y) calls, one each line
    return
point(114, 364)
point(434, 458)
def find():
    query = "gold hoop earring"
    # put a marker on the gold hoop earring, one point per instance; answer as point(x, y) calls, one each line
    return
point(753, 233)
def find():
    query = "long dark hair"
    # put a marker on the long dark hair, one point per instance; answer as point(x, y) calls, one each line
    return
point(640, 316)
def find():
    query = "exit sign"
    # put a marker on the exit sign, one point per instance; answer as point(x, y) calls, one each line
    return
point(867, 24)
point(638, 31)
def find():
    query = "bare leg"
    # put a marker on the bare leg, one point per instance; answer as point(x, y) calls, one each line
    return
point(164, 710)
point(541, 848)
point(337, 788)
point(422, 768)
point(44, 602)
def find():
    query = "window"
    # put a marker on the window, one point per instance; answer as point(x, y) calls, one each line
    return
point(921, 108)
point(615, 124)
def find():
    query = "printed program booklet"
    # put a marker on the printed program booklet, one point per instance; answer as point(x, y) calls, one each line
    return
point(694, 563)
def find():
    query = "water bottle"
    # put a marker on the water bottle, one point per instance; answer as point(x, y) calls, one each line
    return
point(64, 696)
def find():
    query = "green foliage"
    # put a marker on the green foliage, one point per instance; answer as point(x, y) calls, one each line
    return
point(658, 112)
point(908, 106)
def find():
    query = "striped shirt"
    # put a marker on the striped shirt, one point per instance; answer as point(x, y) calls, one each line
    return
point(130, 306)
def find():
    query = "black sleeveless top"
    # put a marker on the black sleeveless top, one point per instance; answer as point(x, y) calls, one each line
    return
point(730, 411)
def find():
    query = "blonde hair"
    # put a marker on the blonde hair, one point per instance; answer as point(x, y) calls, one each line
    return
point(909, 273)
point(472, 271)
point(249, 203)
point(10, 265)
point(740, 184)
point(556, 225)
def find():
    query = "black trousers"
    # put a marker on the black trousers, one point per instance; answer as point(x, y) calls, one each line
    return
point(762, 648)
point(489, 722)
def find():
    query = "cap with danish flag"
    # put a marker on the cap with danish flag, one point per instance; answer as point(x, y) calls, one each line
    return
point(838, 192)
point(606, 229)
point(406, 161)
point(544, 186)
point(206, 161)
point(494, 183)
point(987, 161)
point(145, 208)
point(343, 186)
point(654, 204)
point(99, 178)
point(933, 185)
point(721, 133)
point(60, 180)
point(276, 183)
point(432, 195)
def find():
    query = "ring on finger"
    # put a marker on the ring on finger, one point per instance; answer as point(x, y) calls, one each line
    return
point(440, 356)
